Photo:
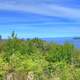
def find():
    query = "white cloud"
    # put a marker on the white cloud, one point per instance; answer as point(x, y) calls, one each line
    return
point(44, 9)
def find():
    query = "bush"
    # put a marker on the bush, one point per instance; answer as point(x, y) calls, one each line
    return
point(46, 61)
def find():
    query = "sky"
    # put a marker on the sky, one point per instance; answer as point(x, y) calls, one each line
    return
point(40, 18)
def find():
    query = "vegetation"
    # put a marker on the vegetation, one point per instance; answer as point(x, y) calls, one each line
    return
point(35, 59)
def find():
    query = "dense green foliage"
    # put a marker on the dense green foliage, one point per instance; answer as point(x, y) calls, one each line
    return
point(47, 61)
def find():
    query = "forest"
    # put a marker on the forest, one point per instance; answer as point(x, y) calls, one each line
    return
point(36, 59)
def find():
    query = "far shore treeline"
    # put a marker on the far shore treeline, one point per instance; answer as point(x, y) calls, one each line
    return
point(36, 59)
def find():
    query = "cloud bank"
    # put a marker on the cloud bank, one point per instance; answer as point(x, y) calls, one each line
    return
point(43, 9)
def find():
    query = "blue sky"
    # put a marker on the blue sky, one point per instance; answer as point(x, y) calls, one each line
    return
point(40, 18)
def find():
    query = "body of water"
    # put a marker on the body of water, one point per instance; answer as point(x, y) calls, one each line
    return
point(74, 41)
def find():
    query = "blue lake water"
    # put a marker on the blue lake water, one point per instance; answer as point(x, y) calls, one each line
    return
point(76, 42)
